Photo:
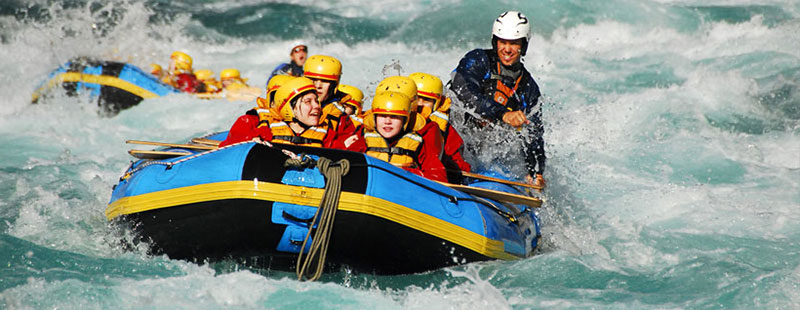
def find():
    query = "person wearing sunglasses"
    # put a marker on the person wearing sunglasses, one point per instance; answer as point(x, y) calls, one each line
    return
point(294, 67)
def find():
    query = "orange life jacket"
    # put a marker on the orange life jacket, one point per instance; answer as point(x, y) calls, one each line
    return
point(312, 136)
point(404, 153)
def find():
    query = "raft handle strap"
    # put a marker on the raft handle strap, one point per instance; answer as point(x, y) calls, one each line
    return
point(324, 217)
point(293, 218)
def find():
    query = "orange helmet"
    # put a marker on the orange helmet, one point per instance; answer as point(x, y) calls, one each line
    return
point(204, 74)
point(288, 92)
point(356, 96)
point(392, 103)
point(155, 69)
point(182, 61)
point(428, 86)
point(274, 83)
point(323, 67)
point(229, 74)
point(400, 84)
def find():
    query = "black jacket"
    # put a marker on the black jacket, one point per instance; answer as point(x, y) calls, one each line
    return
point(474, 82)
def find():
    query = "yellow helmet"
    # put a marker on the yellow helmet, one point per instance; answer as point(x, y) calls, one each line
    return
point(428, 86)
point(274, 83)
point(182, 61)
point(356, 96)
point(400, 84)
point(155, 69)
point(323, 67)
point(392, 103)
point(288, 92)
point(204, 75)
point(230, 73)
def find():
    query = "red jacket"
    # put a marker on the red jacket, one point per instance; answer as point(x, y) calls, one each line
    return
point(246, 128)
point(452, 158)
point(429, 156)
point(187, 83)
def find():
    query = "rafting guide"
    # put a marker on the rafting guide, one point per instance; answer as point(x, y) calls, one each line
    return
point(495, 84)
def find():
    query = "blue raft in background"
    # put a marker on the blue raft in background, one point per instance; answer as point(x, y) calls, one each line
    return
point(116, 85)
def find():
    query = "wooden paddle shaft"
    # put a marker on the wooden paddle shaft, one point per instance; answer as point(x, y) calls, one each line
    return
point(176, 145)
point(498, 180)
point(496, 195)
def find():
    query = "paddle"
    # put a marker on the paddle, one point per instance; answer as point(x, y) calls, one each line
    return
point(185, 146)
point(206, 141)
point(496, 195)
point(143, 154)
point(498, 180)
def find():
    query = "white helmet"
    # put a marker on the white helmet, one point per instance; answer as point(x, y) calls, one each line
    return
point(511, 25)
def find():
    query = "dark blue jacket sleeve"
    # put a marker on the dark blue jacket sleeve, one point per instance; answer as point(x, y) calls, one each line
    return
point(280, 69)
point(469, 84)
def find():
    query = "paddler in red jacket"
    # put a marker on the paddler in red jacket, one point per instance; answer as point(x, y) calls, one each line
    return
point(392, 136)
point(428, 130)
point(180, 73)
point(432, 105)
point(352, 106)
point(294, 118)
point(255, 122)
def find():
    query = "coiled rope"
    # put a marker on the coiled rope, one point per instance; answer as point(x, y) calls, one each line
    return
point(324, 217)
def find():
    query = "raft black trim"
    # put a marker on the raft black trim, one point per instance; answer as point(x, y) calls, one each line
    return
point(203, 231)
point(297, 139)
point(394, 151)
point(260, 164)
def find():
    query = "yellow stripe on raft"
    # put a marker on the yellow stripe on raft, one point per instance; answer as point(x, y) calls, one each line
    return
point(310, 197)
point(94, 79)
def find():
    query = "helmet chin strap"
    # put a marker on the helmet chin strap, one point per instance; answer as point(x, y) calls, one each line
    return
point(303, 125)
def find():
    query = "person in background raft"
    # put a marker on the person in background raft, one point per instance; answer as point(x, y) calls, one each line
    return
point(296, 119)
point(391, 136)
point(236, 87)
point(211, 85)
point(294, 67)
point(435, 107)
point(496, 85)
point(180, 73)
point(156, 71)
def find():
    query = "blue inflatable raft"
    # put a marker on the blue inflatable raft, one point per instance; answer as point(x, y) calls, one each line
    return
point(117, 86)
point(244, 203)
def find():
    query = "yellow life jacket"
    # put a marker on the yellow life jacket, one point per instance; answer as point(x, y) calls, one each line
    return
point(312, 136)
point(332, 111)
point(403, 154)
point(212, 86)
point(442, 115)
point(357, 121)
point(265, 114)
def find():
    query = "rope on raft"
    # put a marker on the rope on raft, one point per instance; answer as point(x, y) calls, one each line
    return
point(314, 261)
